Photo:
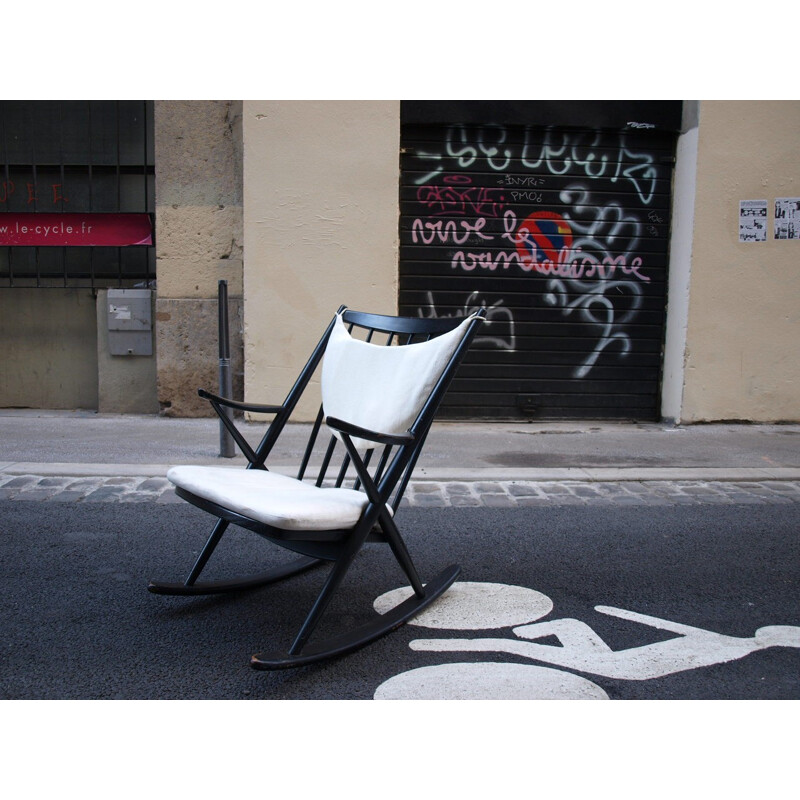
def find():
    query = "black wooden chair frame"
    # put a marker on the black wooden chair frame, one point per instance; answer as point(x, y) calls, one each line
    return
point(384, 486)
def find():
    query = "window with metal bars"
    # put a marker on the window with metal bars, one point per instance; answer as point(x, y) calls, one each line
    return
point(67, 158)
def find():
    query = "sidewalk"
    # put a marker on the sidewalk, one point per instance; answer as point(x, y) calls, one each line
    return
point(87, 443)
point(460, 459)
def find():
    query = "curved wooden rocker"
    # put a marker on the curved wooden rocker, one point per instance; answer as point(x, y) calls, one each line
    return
point(374, 396)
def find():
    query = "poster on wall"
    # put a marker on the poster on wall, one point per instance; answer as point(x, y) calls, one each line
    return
point(787, 218)
point(753, 221)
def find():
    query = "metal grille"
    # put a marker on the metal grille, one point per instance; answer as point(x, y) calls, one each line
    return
point(88, 156)
point(562, 235)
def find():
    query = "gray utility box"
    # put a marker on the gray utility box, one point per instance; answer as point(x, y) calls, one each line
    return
point(130, 322)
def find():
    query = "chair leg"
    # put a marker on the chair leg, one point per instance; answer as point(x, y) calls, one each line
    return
point(363, 635)
point(386, 522)
point(208, 549)
point(342, 564)
point(401, 553)
point(332, 582)
point(191, 587)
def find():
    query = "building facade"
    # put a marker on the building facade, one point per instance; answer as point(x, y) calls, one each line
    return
point(637, 259)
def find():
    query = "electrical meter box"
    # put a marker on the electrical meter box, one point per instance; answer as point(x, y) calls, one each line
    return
point(130, 322)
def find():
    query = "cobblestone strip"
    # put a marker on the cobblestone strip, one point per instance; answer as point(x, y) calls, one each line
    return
point(91, 490)
point(434, 494)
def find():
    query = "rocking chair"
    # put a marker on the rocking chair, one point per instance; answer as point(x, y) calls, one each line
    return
point(372, 395)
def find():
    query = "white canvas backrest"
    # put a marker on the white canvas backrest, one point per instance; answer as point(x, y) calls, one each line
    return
point(382, 388)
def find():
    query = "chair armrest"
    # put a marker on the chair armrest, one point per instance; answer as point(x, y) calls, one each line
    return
point(372, 436)
point(223, 401)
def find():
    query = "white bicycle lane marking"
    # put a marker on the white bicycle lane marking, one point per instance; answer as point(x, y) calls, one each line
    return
point(478, 606)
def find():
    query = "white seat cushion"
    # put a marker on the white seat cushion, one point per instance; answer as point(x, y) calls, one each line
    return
point(274, 499)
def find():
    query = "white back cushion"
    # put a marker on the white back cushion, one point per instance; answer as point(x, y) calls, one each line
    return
point(382, 388)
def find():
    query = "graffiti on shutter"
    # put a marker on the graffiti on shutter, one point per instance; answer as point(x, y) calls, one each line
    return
point(562, 235)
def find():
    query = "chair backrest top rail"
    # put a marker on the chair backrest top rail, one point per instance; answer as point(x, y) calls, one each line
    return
point(380, 323)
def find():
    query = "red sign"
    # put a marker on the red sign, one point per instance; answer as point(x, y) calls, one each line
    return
point(75, 230)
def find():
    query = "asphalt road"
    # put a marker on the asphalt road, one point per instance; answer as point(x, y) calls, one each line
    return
point(78, 622)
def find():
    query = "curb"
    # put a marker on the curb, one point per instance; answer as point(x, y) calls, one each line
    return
point(448, 474)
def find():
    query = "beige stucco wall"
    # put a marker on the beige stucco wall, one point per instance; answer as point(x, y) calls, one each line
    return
point(198, 243)
point(744, 316)
point(320, 228)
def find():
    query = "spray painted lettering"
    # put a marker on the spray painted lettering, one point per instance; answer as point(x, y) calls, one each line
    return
point(455, 198)
point(560, 153)
point(581, 215)
point(497, 329)
point(55, 195)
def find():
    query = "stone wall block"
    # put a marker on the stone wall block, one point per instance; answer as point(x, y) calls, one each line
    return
point(187, 342)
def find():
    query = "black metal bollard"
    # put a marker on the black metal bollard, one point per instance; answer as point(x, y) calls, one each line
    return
point(226, 444)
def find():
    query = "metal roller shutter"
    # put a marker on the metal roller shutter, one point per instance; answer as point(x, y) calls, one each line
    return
point(562, 234)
